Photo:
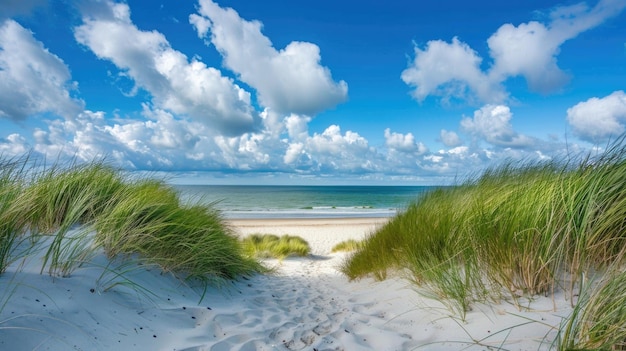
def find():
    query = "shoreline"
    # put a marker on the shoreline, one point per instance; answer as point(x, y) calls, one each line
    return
point(305, 222)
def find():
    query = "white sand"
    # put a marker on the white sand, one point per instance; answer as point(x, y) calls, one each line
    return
point(306, 305)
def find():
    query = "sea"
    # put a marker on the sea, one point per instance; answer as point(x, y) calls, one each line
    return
point(282, 201)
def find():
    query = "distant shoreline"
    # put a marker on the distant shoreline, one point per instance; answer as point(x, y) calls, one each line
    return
point(302, 216)
point(301, 202)
point(340, 221)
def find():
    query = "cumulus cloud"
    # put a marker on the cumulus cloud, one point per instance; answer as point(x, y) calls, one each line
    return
point(290, 80)
point(492, 123)
point(450, 70)
point(160, 140)
point(14, 145)
point(293, 153)
point(342, 152)
point(176, 83)
point(449, 138)
point(297, 126)
point(403, 142)
point(32, 80)
point(530, 50)
point(329, 152)
point(599, 119)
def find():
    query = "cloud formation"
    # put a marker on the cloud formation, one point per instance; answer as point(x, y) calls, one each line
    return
point(403, 143)
point(492, 123)
point(290, 80)
point(452, 70)
point(32, 80)
point(449, 138)
point(598, 120)
point(176, 84)
point(198, 119)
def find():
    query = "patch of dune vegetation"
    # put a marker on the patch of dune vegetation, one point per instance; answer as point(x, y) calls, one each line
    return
point(347, 246)
point(518, 230)
point(273, 246)
point(81, 209)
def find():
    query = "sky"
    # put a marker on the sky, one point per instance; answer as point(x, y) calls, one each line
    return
point(311, 92)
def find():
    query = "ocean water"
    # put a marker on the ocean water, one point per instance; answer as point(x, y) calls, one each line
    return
point(250, 201)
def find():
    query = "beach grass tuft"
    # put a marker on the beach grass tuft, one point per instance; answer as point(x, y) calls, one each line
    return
point(598, 321)
point(273, 246)
point(11, 222)
point(521, 229)
point(347, 246)
point(76, 210)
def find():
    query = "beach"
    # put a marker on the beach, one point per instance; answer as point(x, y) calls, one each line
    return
point(304, 304)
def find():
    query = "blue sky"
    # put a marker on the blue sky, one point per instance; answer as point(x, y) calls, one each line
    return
point(395, 92)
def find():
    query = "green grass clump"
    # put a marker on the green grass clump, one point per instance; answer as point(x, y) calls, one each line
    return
point(59, 200)
point(79, 209)
point(598, 321)
point(148, 220)
point(273, 246)
point(347, 246)
point(11, 222)
point(517, 230)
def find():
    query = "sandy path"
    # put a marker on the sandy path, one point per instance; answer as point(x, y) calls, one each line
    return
point(307, 304)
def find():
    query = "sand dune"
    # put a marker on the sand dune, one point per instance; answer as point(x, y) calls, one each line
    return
point(307, 304)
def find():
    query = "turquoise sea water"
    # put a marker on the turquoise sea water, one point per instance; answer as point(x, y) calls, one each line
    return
point(251, 201)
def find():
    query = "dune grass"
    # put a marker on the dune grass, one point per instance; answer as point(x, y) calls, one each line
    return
point(598, 321)
point(273, 246)
point(347, 246)
point(517, 230)
point(80, 209)
point(11, 222)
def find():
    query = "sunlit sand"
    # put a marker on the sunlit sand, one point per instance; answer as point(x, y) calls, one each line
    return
point(306, 304)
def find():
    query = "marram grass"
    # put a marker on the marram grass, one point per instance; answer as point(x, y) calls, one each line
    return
point(11, 222)
point(347, 246)
point(598, 321)
point(517, 230)
point(273, 246)
point(79, 209)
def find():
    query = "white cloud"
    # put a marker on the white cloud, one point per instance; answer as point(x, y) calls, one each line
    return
point(451, 70)
point(530, 50)
point(176, 84)
point(14, 145)
point(599, 119)
point(32, 80)
point(492, 124)
point(291, 80)
point(329, 152)
point(160, 141)
point(449, 138)
point(297, 126)
point(403, 143)
point(294, 151)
